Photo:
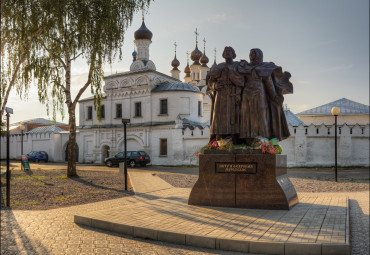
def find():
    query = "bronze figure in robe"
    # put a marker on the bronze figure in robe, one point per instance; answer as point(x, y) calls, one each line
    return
point(225, 83)
point(262, 99)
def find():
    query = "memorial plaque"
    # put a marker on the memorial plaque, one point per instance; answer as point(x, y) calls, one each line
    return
point(236, 168)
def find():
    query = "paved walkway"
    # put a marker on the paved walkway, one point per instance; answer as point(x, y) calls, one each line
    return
point(54, 232)
point(319, 224)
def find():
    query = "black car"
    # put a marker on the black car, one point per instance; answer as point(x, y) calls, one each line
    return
point(133, 158)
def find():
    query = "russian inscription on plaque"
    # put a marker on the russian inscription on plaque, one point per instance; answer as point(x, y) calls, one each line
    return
point(240, 168)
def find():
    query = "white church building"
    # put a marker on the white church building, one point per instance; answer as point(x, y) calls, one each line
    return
point(169, 119)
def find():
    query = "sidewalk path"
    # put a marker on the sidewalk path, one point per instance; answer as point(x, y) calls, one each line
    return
point(144, 182)
point(318, 223)
point(54, 231)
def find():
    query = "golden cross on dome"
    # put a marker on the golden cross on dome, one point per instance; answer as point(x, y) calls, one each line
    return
point(175, 46)
point(196, 35)
point(204, 41)
point(187, 56)
point(142, 12)
point(215, 53)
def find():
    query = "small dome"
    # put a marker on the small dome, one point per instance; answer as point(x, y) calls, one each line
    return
point(196, 54)
point(175, 63)
point(187, 69)
point(204, 59)
point(143, 33)
point(134, 53)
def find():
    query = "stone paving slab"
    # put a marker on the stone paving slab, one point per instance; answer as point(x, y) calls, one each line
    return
point(144, 182)
point(317, 225)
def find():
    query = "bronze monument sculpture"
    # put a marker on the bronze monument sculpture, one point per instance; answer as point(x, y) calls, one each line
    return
point(247, 110)
point(226, 84)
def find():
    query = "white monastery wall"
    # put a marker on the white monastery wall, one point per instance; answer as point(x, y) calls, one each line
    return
point(42, 142)
point(308, 146)
point(314, 146)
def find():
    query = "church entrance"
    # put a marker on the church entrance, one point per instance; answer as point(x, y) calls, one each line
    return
point(105, 152)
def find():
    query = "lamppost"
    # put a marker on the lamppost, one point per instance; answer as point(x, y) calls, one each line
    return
point(22, 129)
point(335, 111)
point(8, 112)
point(124, 122)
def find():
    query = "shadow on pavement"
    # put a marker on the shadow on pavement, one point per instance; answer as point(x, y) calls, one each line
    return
point(13, 238)
point(359, 232)
point(80, 180)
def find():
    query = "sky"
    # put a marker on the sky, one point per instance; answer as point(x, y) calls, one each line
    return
point(324, 44)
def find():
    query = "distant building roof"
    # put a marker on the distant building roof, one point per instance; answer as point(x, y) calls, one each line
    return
point(104, 96)
point(346, 106)
point(46, 129)
point(128, 73)
point(39, 121)
point(145, 124)
point(175, 86)
point(292, 119)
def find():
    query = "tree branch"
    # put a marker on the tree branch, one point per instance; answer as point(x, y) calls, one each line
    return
point(74, 58)
point(59, 84)
point(16, 70)
point(81, 91)
point(11, 84)
point(55, 39)
point(57, 56)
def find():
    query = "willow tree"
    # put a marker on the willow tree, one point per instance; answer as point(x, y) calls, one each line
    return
point(91, 30)
point(22, 22)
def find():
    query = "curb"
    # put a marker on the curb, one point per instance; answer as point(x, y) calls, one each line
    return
point(226, 244)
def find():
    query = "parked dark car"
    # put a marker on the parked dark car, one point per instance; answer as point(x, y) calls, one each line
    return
point(133, 158)
point(37, 156)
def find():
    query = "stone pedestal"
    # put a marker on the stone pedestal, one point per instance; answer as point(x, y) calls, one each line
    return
point(246, 179)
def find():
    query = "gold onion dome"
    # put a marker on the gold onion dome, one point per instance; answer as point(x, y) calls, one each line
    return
point(143, 33)
point(175, 63)
point(196, 54)
point(204, 59)
point(187, 69)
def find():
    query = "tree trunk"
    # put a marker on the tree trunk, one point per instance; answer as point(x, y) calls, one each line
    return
point(71, 169)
